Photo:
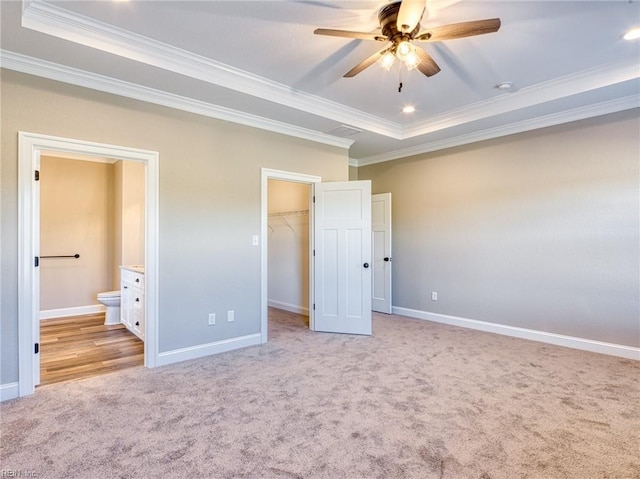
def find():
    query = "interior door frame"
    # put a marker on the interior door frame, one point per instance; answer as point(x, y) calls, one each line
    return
point(30, 146)
point(266, 175)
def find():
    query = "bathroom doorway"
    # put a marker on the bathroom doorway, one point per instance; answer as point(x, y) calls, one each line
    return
point(91, 223)
point(30, 151)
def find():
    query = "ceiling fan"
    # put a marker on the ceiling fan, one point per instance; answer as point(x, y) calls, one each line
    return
point(400, 25)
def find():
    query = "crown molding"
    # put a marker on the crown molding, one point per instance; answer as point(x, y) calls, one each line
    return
point(573, 84)
point(73, 76)
point(52, 71)
point(581, 113)
point(61, 23)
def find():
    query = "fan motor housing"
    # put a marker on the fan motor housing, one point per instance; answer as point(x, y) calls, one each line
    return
point(388, 18)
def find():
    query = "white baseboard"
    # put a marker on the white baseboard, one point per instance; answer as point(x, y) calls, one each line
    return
point(288, 307)
point(611, 349)
point(195, 352)
point(75, 311)
point(9, 391)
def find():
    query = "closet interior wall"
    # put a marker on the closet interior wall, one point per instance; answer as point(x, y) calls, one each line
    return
point(288, 247)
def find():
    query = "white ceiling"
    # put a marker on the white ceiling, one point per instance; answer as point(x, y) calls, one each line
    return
point(259, 63)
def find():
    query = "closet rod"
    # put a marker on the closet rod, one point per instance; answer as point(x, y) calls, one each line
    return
point(62, 256)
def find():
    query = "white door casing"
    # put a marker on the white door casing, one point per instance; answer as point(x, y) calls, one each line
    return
point(30, 146)
point(342, 245)
point(382, 260)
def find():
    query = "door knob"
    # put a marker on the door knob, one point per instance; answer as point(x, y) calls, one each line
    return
point(366, 265)
point(387, 258)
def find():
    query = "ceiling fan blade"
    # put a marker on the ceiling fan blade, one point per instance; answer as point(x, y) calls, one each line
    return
point(459, 30)
point(410, 14)
point(349, 34)
point(366, 63)
point(427, 65)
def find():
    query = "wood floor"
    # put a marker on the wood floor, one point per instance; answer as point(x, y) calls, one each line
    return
point(79, 347)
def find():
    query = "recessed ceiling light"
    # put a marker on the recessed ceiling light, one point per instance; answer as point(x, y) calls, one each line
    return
point(632, 34)
point(408, 109)
point(504, 85)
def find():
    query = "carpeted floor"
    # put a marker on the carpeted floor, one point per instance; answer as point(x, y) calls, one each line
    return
point(415, 400)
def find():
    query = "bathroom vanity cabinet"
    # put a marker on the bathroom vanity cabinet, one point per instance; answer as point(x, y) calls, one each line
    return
point(132, 301)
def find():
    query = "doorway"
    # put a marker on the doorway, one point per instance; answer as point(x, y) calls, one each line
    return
point(290, 205)
point(31, 148)
point(91, 223)
point(340, 254)
point(288, 248)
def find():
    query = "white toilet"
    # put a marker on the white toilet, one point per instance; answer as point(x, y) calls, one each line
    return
point(111, 300)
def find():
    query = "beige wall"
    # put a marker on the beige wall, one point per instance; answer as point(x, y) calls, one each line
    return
point(288, 260)
point(133, 213)
point(118, 167)
point(95, 209)
point(209, 200)
point(538, 230)
point(287, 196)
point(75, 217)
point(129, 214)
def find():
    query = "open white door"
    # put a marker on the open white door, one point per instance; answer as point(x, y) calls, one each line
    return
point(381, 238)
point(342, 246)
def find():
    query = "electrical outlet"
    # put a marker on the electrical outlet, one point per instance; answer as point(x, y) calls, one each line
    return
point(434, 296)
point(212, 319)
point(230, 316)
point(255, 241)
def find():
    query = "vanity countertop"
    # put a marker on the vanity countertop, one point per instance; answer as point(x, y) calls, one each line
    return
point(136, 268)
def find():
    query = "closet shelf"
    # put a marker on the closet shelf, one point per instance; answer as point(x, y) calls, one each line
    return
point(290, 213)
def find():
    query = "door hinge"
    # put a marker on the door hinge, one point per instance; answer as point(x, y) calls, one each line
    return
point(37, 176)
point(36, 261)
point(314, 199)
point(36, 348)
point(314, 306)
point(314, 252)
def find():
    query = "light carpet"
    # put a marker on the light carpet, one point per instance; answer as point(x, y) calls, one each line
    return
point(415, 400)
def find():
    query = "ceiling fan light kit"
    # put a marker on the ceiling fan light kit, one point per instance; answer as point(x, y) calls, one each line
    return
point(400, 25)
point(387, 60)
point(404, 52)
